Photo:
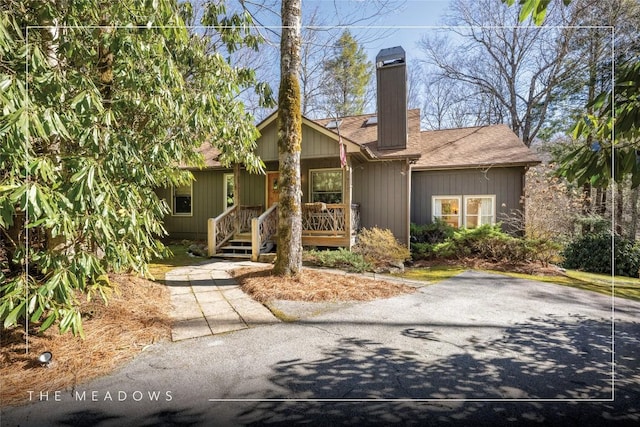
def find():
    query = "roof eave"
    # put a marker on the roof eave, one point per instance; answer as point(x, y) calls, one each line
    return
point(476, 166)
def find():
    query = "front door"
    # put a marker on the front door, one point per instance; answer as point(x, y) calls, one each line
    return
point(273, 192)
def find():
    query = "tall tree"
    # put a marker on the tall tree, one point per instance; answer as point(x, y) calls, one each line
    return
point(101, 101)
point(289, 252)
point(347, 76)
point(312, 51)
point(616, 118)
point(497, 56)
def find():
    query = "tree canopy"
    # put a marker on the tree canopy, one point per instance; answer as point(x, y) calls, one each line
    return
point(101, 103)
point(614, 123)
point(347, 75)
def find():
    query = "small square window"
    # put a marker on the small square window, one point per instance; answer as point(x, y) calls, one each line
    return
point(182, 200)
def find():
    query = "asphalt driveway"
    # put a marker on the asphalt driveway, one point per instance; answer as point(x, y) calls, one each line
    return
point(478, 349)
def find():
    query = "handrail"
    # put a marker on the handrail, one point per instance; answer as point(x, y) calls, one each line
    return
point(263, 229)
point(220, 229)
point(246, 214)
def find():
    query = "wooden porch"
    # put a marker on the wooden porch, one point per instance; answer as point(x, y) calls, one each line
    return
point(247, 231)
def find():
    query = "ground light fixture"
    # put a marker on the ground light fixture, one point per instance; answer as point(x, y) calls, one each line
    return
point(45, 358)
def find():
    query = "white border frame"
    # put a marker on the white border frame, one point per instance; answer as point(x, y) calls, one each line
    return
point(395, 27)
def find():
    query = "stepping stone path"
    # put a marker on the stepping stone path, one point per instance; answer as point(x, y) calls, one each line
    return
point(206, 300)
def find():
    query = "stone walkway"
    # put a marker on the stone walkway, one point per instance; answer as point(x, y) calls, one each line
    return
point(206, 300)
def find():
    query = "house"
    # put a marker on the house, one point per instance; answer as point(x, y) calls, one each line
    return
point(361, 171)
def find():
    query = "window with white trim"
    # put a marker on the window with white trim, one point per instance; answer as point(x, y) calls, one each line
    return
point(479, 210)
point(447, 208)
point(181, 197)
point(325, 185)
point(470, 211)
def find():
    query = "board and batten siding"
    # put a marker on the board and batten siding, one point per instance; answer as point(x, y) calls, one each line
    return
point(505, 183)
point(381, 190)
point(314, 144)
point(206, 202)
point(252, 189)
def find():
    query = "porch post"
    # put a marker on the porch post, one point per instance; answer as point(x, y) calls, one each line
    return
point(211, 236)
point(255, 239)
point(236, 193)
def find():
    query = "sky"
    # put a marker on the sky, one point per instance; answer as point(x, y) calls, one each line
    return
point(402, 26)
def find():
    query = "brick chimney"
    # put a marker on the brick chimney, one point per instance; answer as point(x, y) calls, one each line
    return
point(391, 84)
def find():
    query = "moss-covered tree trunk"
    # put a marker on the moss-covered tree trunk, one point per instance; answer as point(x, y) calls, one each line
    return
point(289, 254)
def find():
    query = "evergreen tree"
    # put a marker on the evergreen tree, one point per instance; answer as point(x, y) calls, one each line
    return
point(347, 76)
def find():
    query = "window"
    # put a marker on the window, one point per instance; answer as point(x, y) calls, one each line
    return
point(325, 185)
point(476, 210)
point(479, 210)
point(182, 200)
point(447, 208)
point(371, 121)
point(228, 190)
point(333, 124)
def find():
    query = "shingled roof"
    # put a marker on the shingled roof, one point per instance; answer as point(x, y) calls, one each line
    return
point(484, 146)
point(480, 146)
point(356, 129)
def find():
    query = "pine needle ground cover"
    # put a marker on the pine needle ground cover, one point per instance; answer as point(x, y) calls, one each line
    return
point(137, 316)
point(315, 286)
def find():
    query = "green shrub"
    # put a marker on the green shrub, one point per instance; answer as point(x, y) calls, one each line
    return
point(422, 250)
point(487, 242)
point(592, 252)
point(502, 248)
point(467, 242)
point(545, 251)
point(380, 248)
point(425, 237)
point(340, 258)
point(436, 232)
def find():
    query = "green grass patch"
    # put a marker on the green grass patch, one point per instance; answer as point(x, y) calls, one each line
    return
point(431, 274)
point(159, 267)
point(625, 287)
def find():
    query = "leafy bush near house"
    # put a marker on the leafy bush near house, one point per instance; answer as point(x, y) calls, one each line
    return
point(425, 237)
point(592, 252)
point(544, 250)
point(436, 232)
point(380, 248)
point(341, 258)
point(422, 250)
point(486, 242)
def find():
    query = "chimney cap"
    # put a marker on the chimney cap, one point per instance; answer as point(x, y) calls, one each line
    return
point(390, 55)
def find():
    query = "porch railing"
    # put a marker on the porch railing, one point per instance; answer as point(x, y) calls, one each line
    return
point(328, 219)
point(263, 229)
point(220, 229)
point(246, 214)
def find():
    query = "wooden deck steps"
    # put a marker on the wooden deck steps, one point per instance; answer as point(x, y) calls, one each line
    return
point(238, 247)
